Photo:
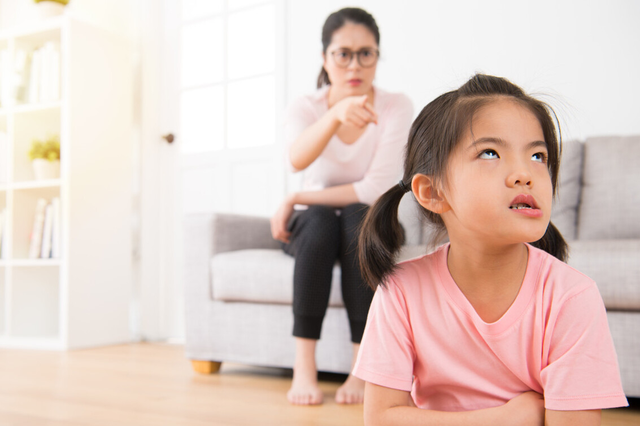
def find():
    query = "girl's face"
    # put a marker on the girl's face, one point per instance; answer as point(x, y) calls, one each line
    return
point(498, 184)
point(354, 79)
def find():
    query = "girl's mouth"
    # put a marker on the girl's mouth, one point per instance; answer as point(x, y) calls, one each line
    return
point(355, 82)
point(523, 201)
point(520, 206)
point(525, 204)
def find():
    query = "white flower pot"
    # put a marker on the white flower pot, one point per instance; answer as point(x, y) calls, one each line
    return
point(49, 8)
point(45, 169)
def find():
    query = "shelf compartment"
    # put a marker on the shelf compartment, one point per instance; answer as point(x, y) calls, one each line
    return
point(35, 184)
point(35, 29)
point(36, 124)
point(4, 227)
point(43, 106)
point(4, 149)
point(35, 301)
point(33, 262)
point(46, 77)
point(24, 210)
point(5, 89)
point(3, 300)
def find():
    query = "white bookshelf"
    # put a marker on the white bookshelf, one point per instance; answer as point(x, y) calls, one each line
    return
point(80, 299)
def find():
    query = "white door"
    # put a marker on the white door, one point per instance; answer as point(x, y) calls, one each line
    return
point(223, 93)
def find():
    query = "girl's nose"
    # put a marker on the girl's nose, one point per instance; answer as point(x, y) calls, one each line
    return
point(520, 178)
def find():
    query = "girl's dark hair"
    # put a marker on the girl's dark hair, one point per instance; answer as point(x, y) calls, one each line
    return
point(433, 137)
point(335, 21)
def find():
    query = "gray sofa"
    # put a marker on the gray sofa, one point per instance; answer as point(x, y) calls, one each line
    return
point(238, 282)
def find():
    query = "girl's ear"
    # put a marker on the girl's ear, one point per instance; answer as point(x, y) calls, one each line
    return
point(427, 195)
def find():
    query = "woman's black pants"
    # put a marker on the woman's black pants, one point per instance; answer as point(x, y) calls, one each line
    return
point(318, 238)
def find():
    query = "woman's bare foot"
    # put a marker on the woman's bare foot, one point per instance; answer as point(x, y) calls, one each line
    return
point(351, 392)
point(304, 387)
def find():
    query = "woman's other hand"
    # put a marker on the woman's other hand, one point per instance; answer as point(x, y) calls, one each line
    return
point(356, 111)
point(280, 220)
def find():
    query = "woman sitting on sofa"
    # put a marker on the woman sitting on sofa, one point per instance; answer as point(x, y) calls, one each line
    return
point(348, 137)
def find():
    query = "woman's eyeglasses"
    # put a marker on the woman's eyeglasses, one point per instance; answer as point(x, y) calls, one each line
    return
point(366, 57)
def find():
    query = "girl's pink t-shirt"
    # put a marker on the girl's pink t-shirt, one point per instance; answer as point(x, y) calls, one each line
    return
point(424, 336)
point(373, 163)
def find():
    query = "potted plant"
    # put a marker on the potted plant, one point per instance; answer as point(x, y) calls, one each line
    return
point(45, 158)
point(51, 7)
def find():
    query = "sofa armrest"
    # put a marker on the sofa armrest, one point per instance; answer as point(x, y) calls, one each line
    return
point(233, 232)
point(205, 235)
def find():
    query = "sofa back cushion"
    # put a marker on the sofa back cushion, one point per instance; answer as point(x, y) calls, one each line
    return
point(565, 206)
point(610, 200)
point(410, 219)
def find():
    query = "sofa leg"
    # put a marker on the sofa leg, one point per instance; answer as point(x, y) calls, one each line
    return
point(205, 367)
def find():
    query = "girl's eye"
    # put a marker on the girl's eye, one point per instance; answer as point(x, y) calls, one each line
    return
point(489, 154)
point(540, 157)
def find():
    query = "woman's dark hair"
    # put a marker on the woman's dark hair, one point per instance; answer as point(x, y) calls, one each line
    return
point(433, 137)
point(335, 21)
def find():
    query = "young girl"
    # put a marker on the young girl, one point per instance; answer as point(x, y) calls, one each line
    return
point(491, 328)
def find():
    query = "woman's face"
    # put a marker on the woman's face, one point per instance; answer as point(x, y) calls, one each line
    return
point(354, 79)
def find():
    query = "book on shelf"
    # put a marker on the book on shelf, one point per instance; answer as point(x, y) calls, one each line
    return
point(5, 78)
point(45, 249)
point(3, 232)
point(20, 60)
point(45, 236)
point(55, 231)
point(35, 243)
point(44, 74)
point(34, 77)
point(3, 157)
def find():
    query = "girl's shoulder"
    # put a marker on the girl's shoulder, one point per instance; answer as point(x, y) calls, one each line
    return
point(417, 270)
point(557, 276)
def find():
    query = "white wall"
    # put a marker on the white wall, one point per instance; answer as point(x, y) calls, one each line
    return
point(582, 54)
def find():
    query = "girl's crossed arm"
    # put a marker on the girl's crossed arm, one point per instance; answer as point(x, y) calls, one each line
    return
point(571, 418)
point(390, 407)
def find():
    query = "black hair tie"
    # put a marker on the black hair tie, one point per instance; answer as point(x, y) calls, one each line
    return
point(403, 186)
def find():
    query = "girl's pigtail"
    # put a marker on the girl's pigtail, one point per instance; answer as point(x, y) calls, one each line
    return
point(553, 243)
point(381, 237)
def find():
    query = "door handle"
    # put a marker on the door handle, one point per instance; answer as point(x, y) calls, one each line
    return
point(169, 137)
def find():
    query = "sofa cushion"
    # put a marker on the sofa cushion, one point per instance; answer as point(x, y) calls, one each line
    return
point(610, 201)
point(261, 275)
point(266, 276)
point(565, 205)
point(615, 267)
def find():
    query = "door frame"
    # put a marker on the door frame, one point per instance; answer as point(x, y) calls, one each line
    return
point(156, 296)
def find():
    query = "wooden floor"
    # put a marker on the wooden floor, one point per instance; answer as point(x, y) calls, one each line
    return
point(154, 385)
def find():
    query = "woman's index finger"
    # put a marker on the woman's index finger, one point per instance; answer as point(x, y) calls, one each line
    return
point(372, 111)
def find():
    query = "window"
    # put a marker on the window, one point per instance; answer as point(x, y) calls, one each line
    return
point(227, 82)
